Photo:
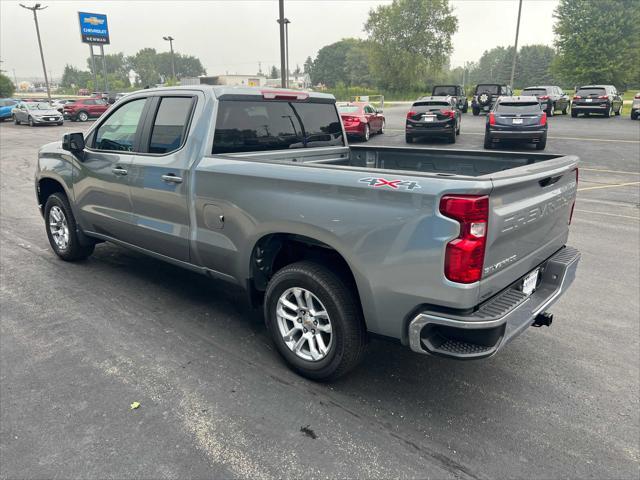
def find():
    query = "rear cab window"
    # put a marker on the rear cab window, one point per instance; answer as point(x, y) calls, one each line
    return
point(254, 125)
point(591, 91)
point(348, 109)
point(444, 91)
point(430, 106)
point(170, 124)
point(491, 89)
point(535, 91)
point(518, 108)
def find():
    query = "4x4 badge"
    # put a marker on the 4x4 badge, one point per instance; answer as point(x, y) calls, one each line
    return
point(394, 184)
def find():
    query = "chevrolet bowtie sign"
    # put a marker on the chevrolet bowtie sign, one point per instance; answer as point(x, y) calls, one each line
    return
point(94, 28)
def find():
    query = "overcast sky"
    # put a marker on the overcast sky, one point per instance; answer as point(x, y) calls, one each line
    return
point(235, 35)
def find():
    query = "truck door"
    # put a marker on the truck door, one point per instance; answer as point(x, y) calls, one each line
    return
point(101, 187)
point(159, 179)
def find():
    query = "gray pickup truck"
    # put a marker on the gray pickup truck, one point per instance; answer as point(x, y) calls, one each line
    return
point(450, 252)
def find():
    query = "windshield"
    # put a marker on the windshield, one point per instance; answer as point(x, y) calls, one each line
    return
point(38, 106)
point(534, 91)
point(348, 109)
point(515, 108)
point(492, 89)
point(444, 91)
point(585, 92)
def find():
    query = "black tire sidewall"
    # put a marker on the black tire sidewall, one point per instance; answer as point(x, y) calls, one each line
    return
point(292, 277)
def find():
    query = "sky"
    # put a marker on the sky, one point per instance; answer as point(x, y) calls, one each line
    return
point(233, 36)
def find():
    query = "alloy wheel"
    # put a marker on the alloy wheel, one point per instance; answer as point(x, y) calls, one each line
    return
point(58, 227)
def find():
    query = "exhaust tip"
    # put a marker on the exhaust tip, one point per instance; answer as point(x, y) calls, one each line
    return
point(543, 319)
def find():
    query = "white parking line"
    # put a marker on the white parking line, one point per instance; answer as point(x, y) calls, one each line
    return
point(554, 138)
point(607, 171)
point(608, 214)
point(613, 185)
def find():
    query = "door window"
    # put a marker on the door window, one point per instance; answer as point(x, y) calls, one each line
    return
point(170, 124)
point(118, 131)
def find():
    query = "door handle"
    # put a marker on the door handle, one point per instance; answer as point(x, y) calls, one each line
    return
point(119, 171)
point(171, 178)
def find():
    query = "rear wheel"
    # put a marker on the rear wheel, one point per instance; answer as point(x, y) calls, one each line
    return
point(609, 112)
point(315, 320)
point(62, 229)
point(382, 127)
point(465, 107)
point(476, 111)
point(367, 133)
point(83, 116)
point(574, 114)
point(551, 110)
point(542, 143)
point(619, 111)
point(31, 124)
point(487, 142)
point(452, 136)
point(564, 110)
point(15, 120)
point(408, 138)
point(458, 129)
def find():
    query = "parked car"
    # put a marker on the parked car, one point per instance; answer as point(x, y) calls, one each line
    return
point(519, 119)
point(451, 253)
point(433, 116)
point(551, 98)
point(84, 109)
point(36, 113)
point(455, 91)
point(83, 92)
point(486, 94)
point(635, 107)
point(361, 119)
point(59, 104)
point(600, 99)
point(6, 107)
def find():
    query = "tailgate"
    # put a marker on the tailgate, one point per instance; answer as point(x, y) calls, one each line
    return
point(528, 220)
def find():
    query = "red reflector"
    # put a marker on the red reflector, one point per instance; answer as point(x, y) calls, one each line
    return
point(410, 114)
point(543, 119)
point(544, 97)
point(577, 97)
point(604, 97)
point(283, 95)
point(464, 256)
point(492, 119)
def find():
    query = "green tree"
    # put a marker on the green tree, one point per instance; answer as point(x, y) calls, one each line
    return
point(597, 42)
point(494, 66)
point(74, 78)
point(144, 64)
point(275, 72)
point(411, 39)
point(344, 62)
point(6, 86)
point(186, 65)
point(308, 66)
point(533, 66)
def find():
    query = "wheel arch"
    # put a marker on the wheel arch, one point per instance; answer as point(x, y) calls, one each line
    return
point(47, 186)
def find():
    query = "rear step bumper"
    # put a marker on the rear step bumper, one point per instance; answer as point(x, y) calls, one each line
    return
point(498, 320)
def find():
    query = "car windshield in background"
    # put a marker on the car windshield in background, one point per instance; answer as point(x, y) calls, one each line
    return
point(513, 108)
point(534, 91)
point(39, 106)
point(348, 109)
point(429, 106)
point(492, 89)
point(586, 92)
point(250, 126)
point(444, 91)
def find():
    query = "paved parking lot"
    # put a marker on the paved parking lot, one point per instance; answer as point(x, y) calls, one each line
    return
point(80, 342)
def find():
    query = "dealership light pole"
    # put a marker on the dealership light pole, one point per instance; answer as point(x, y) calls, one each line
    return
point(34, 9)
point(515, 47)
point(283, 65)
point(170, 39)
point(286, 43)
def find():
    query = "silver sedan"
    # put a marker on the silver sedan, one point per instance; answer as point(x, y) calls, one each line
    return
point(36, 113)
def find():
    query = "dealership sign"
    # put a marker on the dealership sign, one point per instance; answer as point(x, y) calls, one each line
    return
point(94, 28)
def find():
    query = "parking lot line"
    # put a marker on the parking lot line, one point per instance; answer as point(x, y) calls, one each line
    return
point(553, 138)
point(612, 185)
point(608, 214)
point(607, 171)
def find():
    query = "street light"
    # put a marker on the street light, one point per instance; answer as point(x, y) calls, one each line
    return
point(285, 68)
point(34, 9)
point(515, 47)
point(170, 39)
point(283, 65)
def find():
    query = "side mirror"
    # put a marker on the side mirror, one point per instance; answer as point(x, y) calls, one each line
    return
point(380, 110)
point(73, 142)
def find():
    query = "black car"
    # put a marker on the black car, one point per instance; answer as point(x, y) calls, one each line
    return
point(519, 119)
point(486, 94)
point(635, 107)
point(455, 91)
point(433, 116)
point(601, 99)
point(551, 98)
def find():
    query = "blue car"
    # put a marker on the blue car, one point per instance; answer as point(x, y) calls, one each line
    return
point(6, 105)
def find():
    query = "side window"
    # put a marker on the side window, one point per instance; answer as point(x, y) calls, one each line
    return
point(170, 124)
point(322, 125)
point(369, 109)
point(118, 131)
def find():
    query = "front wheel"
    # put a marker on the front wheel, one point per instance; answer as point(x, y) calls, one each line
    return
point(15, 120)
point(62, 230)
point(315, 320)
point(31, 124)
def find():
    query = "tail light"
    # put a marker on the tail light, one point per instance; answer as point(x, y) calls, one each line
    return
point(464, 256)
point(411, 113)
point(448, 113)
point(604, 97)
point(492, 118)
point(577, 97)
point(637, 95)
point(544, 97)
point(574, 200)
point(351, 119)
point(283, 95)
point(543, 119)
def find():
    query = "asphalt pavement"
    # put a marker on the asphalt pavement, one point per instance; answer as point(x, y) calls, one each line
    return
point(80, 342)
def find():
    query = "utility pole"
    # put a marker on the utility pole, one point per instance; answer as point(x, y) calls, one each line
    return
point(286, 43)
point(34, 9)
point(15, 79)
point(515, 47)
point(283, 65)
point(170, 39)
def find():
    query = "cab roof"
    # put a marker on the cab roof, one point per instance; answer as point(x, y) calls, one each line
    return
point(518, 99)
point(233, 91)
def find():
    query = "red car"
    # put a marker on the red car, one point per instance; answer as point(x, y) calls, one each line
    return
point(361, 119)
point(85, 109)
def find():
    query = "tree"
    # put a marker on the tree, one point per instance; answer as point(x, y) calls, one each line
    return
point(6, 86)
point(274, 73)
point(494, 66)
point(297, 72)
point(533, 66)
point(74, 78)
point(186, 65)
point(410, 39)
point(144, 64)
point(308, 66)
point(597, 42)
point(345, 62)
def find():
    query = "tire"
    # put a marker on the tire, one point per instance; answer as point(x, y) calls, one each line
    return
point(384, 123)
point(82, 116)
point(343, 345)
point(367, 133)
point(488, 144)
point(542, 143)
point(465, 107)
point(31, 124)
point(564, 110)
point(452, 137)
point(551, 110)
point(609, 112)
point(60, 123)
point(634, 115)
point(574, 114)
point(15, 120)
point(476, 111)
point(408, 138)
point(619, 112)
point(458, 129)
point(58, 204)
